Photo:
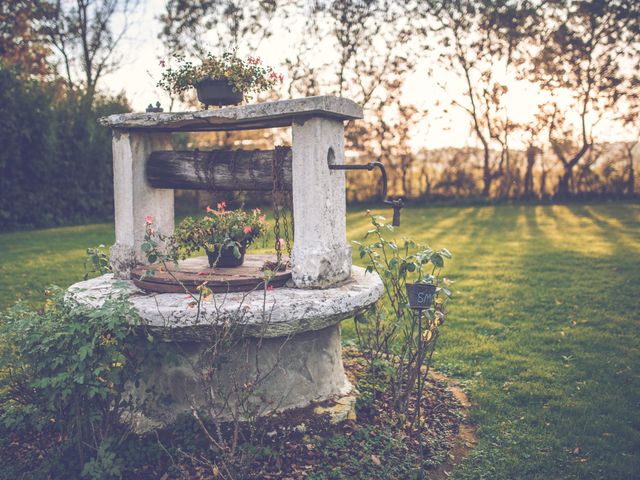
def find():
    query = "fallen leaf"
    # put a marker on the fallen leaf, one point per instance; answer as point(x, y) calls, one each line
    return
point(376, 460)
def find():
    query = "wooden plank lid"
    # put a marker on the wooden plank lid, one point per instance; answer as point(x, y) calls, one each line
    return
point(189, 274)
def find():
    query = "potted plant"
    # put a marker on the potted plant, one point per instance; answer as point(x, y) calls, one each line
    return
point(224, 234)
point(219, 80)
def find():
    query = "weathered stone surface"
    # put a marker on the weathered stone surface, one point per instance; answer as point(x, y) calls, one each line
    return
point(277, 313)
point(321, 256)
point(280, 113)
point(344, 408)
point(254, 377)
point(135, 199)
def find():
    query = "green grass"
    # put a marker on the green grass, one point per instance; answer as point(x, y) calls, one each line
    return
point(543, 329)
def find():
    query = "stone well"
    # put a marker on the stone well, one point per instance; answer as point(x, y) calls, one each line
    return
point(289, 337)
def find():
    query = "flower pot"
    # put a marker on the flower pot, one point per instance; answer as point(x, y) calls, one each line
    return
point(420, 295)
point(217, 92)
point(225, 258)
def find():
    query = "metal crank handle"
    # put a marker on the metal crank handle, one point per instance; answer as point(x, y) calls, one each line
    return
point(396, 204)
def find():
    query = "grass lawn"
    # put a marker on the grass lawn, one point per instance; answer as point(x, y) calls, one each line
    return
point(543, 330)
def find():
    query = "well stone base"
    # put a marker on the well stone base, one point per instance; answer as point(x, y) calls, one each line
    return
point(241, 355)
point(250, 378)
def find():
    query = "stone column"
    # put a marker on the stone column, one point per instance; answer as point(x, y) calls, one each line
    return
point(134, 198)
point(321, 255)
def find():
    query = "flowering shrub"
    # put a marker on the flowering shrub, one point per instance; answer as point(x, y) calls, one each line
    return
point(247, 76)
point(219, 228)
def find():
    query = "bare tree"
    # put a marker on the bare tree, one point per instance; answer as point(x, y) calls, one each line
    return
point(477, 38)
point(82, 33)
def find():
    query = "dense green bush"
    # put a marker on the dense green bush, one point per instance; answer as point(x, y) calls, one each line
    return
point(55, 160)
point(65, 371)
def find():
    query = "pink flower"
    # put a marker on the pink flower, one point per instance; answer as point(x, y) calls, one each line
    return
point(149, 219)
point(281, 78)
point(269, 288)
point(221, 206)
point(162, 63)
point(247, 229)
point(209, 209)
point(256, 211)
point(262, 219)
point(273, 74)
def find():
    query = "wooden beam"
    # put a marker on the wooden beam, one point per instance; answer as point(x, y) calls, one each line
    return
point(217, 170)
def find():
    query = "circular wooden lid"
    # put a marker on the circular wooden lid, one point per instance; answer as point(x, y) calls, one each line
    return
point(193, 272)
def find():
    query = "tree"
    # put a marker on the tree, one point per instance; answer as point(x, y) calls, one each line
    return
point(82, 33)
point(23, 37)
point(586, 48)
point(477, 38)
point(186, 23)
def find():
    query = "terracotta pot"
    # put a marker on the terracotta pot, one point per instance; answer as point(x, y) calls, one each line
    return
point(217, 92)
point(226, 258)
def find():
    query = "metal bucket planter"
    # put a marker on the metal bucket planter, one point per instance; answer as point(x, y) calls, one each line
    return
point(420, 295)
point(217, 92)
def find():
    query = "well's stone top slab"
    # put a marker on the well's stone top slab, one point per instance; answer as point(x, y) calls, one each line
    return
point(276, 313)
point(280, 113)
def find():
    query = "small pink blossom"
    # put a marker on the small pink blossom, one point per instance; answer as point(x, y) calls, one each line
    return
point(221, 206)
point(209, 209)
point(149, 219)
point(262, 219)
point(247, 229)
point(256, 211)
point(269, 288)
point(162, 63)
point(281, 78)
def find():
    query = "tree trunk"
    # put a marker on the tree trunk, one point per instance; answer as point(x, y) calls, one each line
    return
point(528, 176)
point(631, 180)
point(565, 182)
point(486, 173)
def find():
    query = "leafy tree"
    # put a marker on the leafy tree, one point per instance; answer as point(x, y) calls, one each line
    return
point(23, 38)
point(55, 164)
point(587, 49)
point(186, 22)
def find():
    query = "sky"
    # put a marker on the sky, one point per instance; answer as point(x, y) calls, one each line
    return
point(444, 125)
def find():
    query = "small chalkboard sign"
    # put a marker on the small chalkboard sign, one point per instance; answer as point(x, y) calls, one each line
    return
point(420, 295)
